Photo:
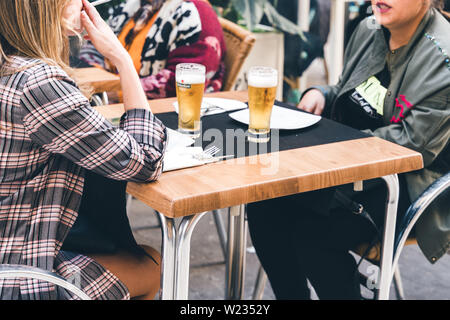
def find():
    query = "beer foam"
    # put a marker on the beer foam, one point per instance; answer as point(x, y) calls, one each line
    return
point(262, 82)
point(191, 78)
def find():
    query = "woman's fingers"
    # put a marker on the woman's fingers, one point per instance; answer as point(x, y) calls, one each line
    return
point(318, 110)
point(92, 12)
point(306, 107)
point(307, 104)
point(313, 102)
point(87, 23)
point(100, 34)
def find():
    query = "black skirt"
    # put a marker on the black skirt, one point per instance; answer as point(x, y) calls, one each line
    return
point(102, 225)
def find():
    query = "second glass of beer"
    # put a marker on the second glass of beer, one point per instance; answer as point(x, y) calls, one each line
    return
point(262, 88)
point(190, 85)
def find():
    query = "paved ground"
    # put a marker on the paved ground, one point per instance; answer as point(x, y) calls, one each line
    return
point(421, 280)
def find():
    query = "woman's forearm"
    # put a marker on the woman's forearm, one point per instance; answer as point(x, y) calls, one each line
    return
point(133, 94)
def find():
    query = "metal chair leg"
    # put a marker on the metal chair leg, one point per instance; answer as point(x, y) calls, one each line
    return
point(8, 271)
point(105, 99)
point(398, 285)
point(387, 251)
point(260, 284)
point(129, 200)
point(97, 100)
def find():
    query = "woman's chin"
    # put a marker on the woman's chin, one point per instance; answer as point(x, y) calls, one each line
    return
point(384, 21)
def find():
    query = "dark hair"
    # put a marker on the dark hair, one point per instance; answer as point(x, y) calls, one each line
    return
point(156, 5)
point(438, 4)
point(147, 10)
point(443, 6)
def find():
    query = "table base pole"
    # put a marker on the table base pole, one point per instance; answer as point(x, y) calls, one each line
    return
point(182, 262)
point(235, 264)
point(168, 250)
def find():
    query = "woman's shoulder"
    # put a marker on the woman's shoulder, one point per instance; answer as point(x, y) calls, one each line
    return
point(33, 70)
point(436, 36)
point(432, 54)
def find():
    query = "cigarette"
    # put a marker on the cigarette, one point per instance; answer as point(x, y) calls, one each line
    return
point(99, 2)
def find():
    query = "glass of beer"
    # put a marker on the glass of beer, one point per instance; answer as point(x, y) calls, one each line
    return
point(190, 85)
point(262, 88)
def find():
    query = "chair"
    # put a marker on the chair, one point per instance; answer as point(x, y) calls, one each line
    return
point(10, 271)
point(415, 210)
point(239, 43)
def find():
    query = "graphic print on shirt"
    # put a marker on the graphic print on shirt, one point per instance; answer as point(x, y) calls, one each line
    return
point(408, 104)
point(371, 94)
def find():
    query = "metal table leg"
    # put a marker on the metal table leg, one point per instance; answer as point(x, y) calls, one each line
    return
point(220, 231)
point(387, 250)
point(183, 247)
point(168, 251)
point(235, 268)
point(176, 248)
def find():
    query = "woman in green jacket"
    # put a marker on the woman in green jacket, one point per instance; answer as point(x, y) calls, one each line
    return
point(396, 86)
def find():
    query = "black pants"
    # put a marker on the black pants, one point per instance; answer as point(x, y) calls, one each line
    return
point(308, 236)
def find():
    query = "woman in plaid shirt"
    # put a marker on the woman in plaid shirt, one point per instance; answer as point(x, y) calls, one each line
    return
point(50, 138)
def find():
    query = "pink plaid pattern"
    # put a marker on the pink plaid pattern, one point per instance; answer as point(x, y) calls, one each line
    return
point(49, 136)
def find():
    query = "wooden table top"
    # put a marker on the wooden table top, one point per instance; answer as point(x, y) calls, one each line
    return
point(255, 178)
point(100, 80)
point(166, 105)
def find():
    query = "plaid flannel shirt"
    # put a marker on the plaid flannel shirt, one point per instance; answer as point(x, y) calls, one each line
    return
point(49, 136)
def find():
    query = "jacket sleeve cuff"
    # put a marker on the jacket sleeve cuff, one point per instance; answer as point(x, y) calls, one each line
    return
point(145, 128)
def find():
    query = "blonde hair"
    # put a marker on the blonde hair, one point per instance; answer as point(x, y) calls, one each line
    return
point(34, 29)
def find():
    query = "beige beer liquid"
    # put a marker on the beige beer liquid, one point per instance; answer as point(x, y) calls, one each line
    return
point(260, 102)
point(189, 104)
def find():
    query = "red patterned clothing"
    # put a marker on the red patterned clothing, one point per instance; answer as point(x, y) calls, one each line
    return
point(184, 31)
point(49, 137)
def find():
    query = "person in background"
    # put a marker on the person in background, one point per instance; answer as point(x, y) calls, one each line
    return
point(159, 34)
point(52, 141)
point(402, 54)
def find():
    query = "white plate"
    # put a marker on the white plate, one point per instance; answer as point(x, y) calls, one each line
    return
point(282, 118)
point(224, 104)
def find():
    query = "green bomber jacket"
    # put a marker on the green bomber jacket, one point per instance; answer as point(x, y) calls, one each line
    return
point(416, 109)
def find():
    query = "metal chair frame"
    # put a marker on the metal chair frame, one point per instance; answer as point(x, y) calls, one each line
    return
point(11, 271)
point(413, 213)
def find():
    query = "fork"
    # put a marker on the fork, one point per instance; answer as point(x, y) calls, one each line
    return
point(207, 153)
point(209, 107)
